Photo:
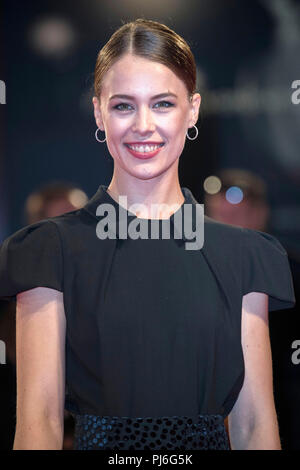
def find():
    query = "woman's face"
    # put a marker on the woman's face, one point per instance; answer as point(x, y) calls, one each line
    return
point(145, 112)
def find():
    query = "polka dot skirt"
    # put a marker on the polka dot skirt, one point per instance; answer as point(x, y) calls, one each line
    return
point(203, 432)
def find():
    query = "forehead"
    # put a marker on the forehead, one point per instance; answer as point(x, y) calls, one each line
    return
point(137, 76)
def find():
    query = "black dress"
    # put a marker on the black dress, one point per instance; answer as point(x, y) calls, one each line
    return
point(153, 341)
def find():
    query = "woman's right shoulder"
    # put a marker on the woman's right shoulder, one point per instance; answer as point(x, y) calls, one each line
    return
point(46, 232)
point(36, 255)
point(33, 257)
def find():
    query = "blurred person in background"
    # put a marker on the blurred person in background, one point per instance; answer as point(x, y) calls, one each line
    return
point(253, 211)
point(53, 199)
point(49, 200)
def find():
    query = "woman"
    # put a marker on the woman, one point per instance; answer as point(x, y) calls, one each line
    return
point(156, 342)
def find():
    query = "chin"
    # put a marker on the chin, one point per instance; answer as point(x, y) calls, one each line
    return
point(146, 174)
point(143, 170)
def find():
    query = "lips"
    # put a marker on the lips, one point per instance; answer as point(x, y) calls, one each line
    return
point(144, 150)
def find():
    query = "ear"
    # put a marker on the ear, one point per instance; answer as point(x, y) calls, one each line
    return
point(97, 113)
point(195, 106)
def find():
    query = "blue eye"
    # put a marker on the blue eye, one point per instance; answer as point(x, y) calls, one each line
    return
point(128, 107)
point(122, 106)
point(166, 104)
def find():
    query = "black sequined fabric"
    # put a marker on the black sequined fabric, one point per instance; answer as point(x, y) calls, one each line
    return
point(203, 432)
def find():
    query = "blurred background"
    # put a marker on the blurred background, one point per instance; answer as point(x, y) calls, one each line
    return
point(244, 165)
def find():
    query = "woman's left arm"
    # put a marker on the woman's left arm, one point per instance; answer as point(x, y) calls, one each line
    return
point(253, 422)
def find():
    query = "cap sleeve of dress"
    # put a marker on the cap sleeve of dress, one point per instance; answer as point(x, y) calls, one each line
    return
point(29, 258)
point(266, 269)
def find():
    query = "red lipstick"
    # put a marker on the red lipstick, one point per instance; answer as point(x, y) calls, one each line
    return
point(144, 155)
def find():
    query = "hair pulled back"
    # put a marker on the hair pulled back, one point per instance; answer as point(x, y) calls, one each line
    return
point(150, 40)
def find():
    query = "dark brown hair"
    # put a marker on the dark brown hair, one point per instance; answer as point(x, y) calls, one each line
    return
point(153, 41)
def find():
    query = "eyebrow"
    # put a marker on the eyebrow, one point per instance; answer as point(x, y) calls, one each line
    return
point(128, 97)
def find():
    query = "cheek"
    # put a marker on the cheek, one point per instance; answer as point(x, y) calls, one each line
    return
point(177, 136)
point(176, 126)
point(116, 128)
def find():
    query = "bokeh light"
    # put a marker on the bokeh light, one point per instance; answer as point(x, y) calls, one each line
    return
point(52, 36)
point(212, 184)
point(77, 198)
point(234, 195)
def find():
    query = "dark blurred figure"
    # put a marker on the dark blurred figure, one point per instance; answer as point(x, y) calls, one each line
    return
point(50, 200)
point(253, 212)
point(53, 199)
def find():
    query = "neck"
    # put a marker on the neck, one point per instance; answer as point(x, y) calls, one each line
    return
point(160, 191)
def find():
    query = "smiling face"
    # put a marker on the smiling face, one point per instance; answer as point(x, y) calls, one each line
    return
point(145, 111)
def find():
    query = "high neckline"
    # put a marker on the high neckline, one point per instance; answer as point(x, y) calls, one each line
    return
point(131, 214)
point(103, 197)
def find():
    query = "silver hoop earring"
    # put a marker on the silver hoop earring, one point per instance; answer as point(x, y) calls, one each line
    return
point(96, 135)
point(195, 136)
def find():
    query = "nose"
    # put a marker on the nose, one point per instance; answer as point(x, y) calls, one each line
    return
point(143, 121)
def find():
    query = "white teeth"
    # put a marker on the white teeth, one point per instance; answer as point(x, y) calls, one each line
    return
point(143, 148)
